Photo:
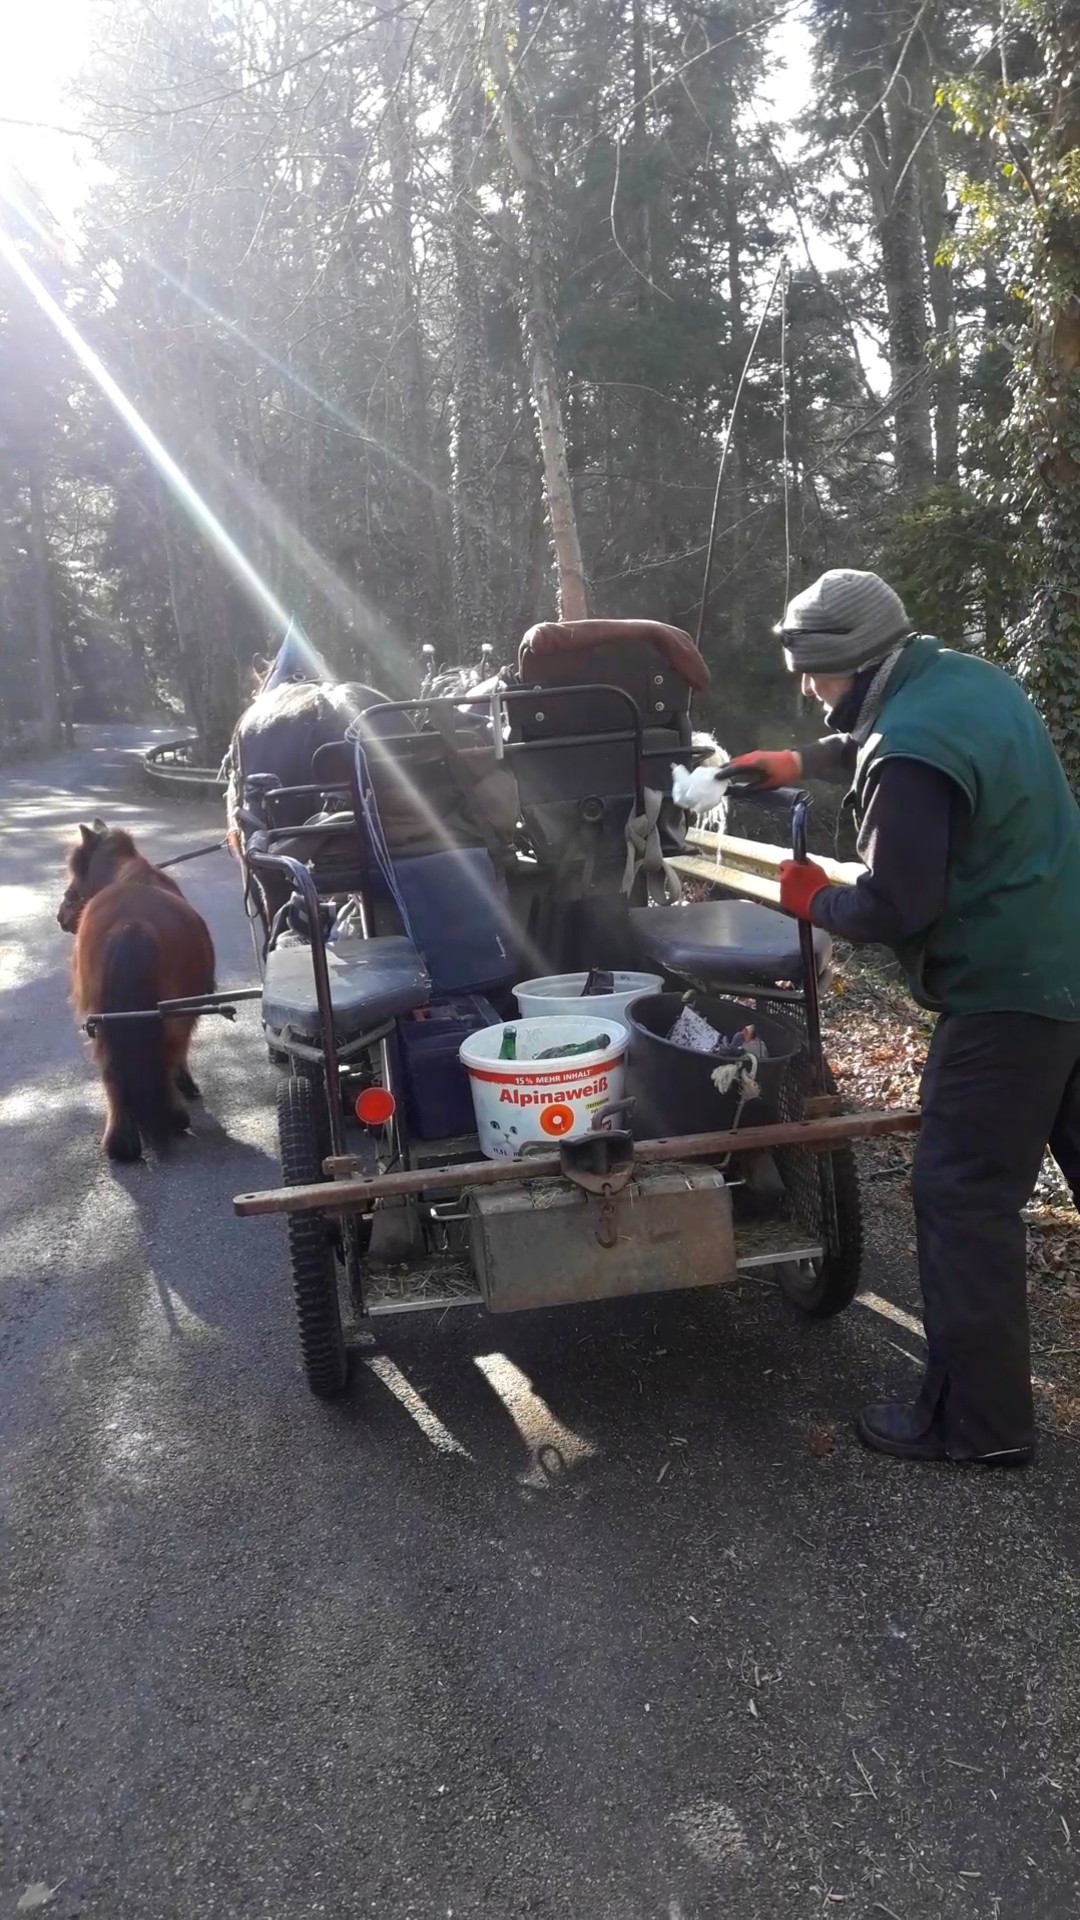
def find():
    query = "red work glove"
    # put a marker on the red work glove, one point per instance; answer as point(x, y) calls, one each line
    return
point(773, 769)
point(800, 883)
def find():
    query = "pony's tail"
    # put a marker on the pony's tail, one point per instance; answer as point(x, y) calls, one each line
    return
point(133, 1051)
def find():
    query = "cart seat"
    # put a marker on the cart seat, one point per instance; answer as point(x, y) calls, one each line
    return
point(371, 981)
point(726, 943)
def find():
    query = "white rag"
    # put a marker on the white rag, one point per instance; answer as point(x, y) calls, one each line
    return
point(702, 793)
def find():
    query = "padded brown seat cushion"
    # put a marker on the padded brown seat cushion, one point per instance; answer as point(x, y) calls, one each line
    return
point(554, 637)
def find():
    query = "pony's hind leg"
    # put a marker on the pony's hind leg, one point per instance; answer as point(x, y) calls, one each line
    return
point(184, 1083)
point(121, 1139)
point(180, 1078)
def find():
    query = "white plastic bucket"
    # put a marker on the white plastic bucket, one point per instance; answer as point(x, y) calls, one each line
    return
point(562, 993)
point(520, 1103)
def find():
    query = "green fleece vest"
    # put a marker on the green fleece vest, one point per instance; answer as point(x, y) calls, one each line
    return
point(1008, 940)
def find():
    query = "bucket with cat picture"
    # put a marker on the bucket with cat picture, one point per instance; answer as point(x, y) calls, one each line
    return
point(529, 1101)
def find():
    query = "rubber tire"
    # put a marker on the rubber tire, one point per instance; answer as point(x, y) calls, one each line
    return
point(311, 1254)
point(833, 1282)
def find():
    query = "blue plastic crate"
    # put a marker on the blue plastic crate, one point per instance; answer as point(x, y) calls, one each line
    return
point(434, 1084)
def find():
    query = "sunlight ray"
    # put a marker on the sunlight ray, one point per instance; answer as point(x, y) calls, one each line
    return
point(429, 1423)
point(551, 1444)
point(347, 421)
point(189, 496)
point(888, 1311)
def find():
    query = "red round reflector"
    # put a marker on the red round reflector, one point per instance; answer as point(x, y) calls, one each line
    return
point(375, 1107)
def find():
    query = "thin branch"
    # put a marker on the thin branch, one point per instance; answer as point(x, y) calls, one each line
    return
point(968, 71)
point(893, 77)
point(756, 26)
point(910, 161)
point(365, 161)
point(825, 287)
point(863, 426)
point(489, 126)
point(688, 553)
point(786, 409)
point(631, 263)
point(48, 126)
point(727, 443)
point(260, 79)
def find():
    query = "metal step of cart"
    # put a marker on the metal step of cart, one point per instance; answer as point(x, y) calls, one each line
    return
point(436, 1283)
point(772, 1243)
point(758, 1243)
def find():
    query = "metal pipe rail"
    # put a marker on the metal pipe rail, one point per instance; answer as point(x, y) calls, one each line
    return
point(195, 1006)
point(346, 1195)
point(167, 764)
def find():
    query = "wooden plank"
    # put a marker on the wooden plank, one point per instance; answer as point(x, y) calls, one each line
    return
point(752, 886)
point(762, 857)
point(341, 1196)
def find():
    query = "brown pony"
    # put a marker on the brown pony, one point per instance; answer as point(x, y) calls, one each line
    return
point(137, 942)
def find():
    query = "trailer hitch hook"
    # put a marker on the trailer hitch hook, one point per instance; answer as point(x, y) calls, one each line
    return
point(601, 1163)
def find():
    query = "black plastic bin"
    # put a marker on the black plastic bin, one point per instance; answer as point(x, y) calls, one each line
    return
point(672, 1085)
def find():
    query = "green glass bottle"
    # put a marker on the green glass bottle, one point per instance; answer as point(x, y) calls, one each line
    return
point(508, 1046)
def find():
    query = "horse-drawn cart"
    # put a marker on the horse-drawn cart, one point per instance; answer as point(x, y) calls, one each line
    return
point(437, 855)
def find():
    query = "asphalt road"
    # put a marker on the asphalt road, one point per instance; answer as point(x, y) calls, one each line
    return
point(584, 1631)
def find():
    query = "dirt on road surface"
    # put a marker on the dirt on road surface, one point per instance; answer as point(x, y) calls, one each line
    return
point(594, 1615)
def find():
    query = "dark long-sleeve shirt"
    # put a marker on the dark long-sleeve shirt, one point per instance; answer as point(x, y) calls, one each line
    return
point(905, 838)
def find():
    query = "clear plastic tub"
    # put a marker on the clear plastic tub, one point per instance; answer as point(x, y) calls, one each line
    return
point(562, 993)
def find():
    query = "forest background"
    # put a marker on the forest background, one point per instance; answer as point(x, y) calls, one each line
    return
point(441, 306)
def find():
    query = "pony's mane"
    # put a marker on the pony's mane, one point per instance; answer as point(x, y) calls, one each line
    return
point(116, 839)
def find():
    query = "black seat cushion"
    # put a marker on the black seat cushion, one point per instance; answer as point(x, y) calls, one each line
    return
point(370, 981)
point(726, 942)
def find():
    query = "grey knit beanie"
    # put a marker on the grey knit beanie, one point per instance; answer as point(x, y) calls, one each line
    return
point(845, 621)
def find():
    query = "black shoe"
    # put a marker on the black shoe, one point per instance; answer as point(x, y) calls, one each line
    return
point(902, 1432)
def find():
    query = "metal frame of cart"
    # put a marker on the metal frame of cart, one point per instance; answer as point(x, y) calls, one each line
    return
point(603, 1216)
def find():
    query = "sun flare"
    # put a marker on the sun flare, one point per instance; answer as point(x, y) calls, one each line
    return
point(41, 49)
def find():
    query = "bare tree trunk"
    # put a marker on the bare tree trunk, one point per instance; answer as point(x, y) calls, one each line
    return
point(736, 462)
point(649, 506)
point(532, 585)
point(183, 621)
point(41, 600)
point(889, 133)
point(66, 695)
point(1049, 650)
point(474, 603)
point(1057, 354)
point(805, 556)
point(397, 136)
point(643, 224)
point(992, 380)
point(540, 325)
point(934, 208)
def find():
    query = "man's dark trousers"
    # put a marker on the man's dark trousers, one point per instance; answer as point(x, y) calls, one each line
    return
point(997, 1089)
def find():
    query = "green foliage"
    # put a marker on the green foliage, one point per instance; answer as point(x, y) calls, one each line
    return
point(945, 555)
point(1028, 212)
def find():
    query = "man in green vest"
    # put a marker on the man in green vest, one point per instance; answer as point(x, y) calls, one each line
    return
point(971, 841)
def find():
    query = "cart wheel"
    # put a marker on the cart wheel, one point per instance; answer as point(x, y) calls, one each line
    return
point(826, 1286)
point(311, 1252)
